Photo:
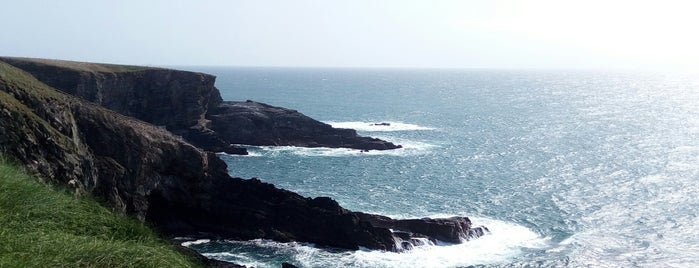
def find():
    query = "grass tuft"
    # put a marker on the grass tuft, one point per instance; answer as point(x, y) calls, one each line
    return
point(44, 227)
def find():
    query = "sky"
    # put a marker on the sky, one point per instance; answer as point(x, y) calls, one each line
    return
point(589, 34)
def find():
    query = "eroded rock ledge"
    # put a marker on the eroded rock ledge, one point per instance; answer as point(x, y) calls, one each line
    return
point(257, 123)
point(145, 171)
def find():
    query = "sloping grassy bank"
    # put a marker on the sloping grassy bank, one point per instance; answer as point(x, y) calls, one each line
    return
point(44, 227)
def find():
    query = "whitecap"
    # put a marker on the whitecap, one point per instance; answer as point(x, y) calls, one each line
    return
point(195, 242)
point(410, 148)
point(653, 179)
point(505, 241)
point(250, 153)
point(378, 126)
point(240, 259)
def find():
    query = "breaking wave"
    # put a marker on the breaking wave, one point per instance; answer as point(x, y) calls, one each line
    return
point(505, 241)
point(410, 148)
point(378, 126)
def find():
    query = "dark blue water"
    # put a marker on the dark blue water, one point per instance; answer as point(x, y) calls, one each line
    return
point(576, 168)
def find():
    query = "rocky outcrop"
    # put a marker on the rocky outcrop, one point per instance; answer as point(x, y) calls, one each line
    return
point(145, 171)
point(257, 123)
point(450, 230)
point(207, 262)
point(187, 104)
point(249, 209)
point(175, 100)
point(94, 150)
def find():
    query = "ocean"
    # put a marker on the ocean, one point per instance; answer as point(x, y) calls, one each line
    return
point(566, 168)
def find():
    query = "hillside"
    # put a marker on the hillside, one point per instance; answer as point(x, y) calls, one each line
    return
point(41, 226)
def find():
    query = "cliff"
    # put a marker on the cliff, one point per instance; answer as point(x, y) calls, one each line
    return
point(94, 150)
point(145, 171)
point(257, 123)
point(80, 233)
point(188, 104)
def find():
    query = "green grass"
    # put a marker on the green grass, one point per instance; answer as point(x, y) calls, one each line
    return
point(83, 66)
point(41, 226)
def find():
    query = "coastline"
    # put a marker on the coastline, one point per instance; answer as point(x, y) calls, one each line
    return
point(155, 175)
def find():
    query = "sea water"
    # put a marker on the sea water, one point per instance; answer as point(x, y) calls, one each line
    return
point(566, 168)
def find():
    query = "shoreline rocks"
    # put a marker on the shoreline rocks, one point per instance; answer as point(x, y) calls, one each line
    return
point(256, 123)
point(145, 171)
point(452, 230)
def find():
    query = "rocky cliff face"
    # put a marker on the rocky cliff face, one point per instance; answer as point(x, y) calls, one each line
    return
point(175, 100)
point(94, 150)
point(257, 123)
point(145, 171)
point(188, 104)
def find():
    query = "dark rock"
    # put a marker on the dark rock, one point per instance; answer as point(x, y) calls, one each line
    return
point(235, 150)
point(177, 100)
point(257, 123)
point(248, 209)
point(209, 140)
point(288, 265)
point(450, 230)
point(381, 124)
point(208, 262)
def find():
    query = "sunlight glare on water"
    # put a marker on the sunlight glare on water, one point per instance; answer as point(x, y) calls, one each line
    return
point(580, 168)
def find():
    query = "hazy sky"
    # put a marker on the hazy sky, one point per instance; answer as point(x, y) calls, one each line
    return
point(359, 33)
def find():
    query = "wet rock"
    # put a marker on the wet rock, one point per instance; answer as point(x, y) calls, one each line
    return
point(451, 230)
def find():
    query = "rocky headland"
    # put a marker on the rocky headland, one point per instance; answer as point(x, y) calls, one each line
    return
point(138, 156)
point(257, 123)
point(189, 105)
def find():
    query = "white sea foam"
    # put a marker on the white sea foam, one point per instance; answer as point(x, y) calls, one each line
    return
point(378, 126)
point(241, 259)
point(505, 241)
point(410, 148)
point(250, 153)
point(195, 242)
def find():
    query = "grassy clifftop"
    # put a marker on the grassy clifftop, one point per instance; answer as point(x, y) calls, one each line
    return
point(48, 132)
point(44, 227)
point(81, 66)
